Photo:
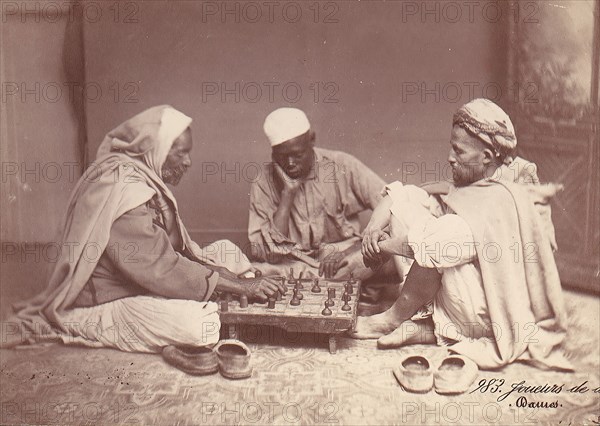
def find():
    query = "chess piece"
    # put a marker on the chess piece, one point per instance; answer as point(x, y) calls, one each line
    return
point(330, 295)
point(326, 311)
point(224, 305)
point(315, 288)
point(346, 299)
point(291, 279)
point(299, 294)
point(278, 296)
point(351, 281)
point(346, 293)
point(295, 301)
point(243, 302)
point(271, 304)
point(299, 281)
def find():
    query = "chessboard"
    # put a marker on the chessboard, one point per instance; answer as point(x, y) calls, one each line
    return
point(310, 305)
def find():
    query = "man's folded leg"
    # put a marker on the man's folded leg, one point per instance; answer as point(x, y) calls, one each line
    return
point(421, 286)
point(144, 324)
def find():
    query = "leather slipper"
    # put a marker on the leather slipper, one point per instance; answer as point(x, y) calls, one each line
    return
point(455, 375)
point(415, 373)
point(234, 359)
point(195, 360)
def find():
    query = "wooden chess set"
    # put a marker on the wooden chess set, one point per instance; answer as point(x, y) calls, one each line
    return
point(310, 305)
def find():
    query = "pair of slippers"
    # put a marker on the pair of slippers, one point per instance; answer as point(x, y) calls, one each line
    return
point(454, 375)
point(230, 357)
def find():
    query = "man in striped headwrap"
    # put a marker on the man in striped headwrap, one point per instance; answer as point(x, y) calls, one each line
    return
point(482, 249)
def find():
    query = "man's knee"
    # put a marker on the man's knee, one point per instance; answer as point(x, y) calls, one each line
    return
point(201, 323)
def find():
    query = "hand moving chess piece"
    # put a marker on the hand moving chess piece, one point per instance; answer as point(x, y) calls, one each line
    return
point(282, 279)
point(271, 304)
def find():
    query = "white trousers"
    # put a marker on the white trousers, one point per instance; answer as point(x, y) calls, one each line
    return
point(143, 324)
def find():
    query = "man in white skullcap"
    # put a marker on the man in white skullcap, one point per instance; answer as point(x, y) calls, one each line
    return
point(482, 249)
point(304, 208)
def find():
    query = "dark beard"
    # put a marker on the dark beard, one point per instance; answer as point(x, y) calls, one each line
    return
point(463, 176)
point(172, 175)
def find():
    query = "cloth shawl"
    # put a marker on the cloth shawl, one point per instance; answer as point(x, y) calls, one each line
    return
point(125, 175)
point(520, 278)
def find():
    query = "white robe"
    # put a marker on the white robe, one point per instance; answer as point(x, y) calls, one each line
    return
point(440, 239)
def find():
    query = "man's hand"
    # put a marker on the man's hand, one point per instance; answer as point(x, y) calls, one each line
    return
point(370, 244)
point(281, 218)
point(290, 186)
point(262, 288)
point(332, 263)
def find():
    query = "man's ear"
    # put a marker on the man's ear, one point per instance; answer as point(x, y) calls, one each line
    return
point(488, 156)
point(312, 137)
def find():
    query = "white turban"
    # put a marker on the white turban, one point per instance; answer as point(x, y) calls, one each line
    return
point(284, 124)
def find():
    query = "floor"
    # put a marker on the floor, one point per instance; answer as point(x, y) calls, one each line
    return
point(295, 381)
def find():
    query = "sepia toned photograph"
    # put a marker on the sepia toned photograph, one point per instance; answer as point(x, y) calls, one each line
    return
point(310, 212)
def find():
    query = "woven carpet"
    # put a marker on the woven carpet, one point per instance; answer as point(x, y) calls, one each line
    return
point(295, 381)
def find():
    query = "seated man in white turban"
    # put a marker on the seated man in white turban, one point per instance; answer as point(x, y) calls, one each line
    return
point(129, 276)
point(483, 251)
point(304, 208)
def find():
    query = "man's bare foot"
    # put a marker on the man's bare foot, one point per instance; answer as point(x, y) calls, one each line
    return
point(408, 333)
point(394, 339)
point(375, 326)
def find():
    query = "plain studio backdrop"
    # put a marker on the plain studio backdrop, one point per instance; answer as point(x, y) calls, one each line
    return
point(377, 79)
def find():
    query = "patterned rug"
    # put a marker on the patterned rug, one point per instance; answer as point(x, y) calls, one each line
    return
point(295, 381)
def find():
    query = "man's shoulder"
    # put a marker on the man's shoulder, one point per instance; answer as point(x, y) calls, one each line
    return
point(334, 155)
point(341, 158)
point(264, 177)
